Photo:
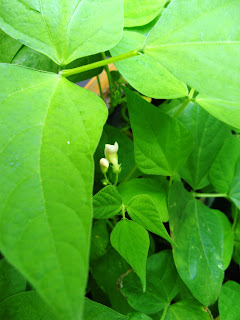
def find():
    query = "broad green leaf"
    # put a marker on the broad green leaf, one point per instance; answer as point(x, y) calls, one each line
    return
point(49, 131)
point(99, 239)
point(161, 143)
point(138, 316)
point(156, 188)
point(132, 242)
point(236, 253)
point(8, 47)
point(108, 281)
point(225, 171)
point(208, 137)
point(97, 311)
point(225, 110)
point(199, 256)
point(187, 310)
point(162, 284)
point(138, 13)
point(64, 30)
point(11, 281)
point(228, 303)
point(142, 210)
point(207, 59)
point(144, 73)
point(107, 203)
point(25, 306)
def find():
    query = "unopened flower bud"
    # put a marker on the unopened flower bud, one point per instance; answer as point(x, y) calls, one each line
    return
point(110, 152)
point(104, 165)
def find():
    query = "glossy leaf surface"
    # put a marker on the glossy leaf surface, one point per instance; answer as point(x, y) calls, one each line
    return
point(161, 143)
point(49, 131)
point(64, 30)
point(228, 304)
point(132, 242)
point(187, 310)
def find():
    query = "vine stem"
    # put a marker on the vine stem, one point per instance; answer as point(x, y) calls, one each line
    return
point(164, 312)
point(185, 103)
point(109, 77)
point(100, 87)
point(101, 63)
point(209, 195)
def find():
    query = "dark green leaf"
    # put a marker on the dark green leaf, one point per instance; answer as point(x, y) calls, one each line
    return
point(228, 303)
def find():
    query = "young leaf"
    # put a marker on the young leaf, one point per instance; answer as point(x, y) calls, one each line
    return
point(156, 188)
point(163, 284)
point(207, 59)
point(208, 137)
point(161, 143)
point(65, 30)
point(49, 131)
point(228, 303)
point(144, 73)
point(225, 171)
point(199, 256)
point(107, 203)
point(186, 310)
point(11, 281)
point(142, 210)
point(225, 110)
point(132, 242)
point(139, 13)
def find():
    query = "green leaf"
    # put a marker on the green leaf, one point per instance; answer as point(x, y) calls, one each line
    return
point(228, 303)
point(11, 281)
point(199, 256)
point(97, 311)
point(49, 131)
point(142, 210)
point(163, 284)
point(139, 13)
point(8, 47)
point(107, 203)
point(99, 239)
point(184, 310)
point(156, 188)
point(138, 316)
point(144, 73)
point(208, 137)
point(132, 242)
point(65, 30)
point(225, 110)
point(161, 143)
point(225, 171)
point(25, 306)
point(207, 59)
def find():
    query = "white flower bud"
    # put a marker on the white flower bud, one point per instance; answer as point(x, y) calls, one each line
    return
point(104, 165)
point(110, 152)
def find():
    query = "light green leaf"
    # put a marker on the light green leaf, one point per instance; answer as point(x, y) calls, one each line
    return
point(208, 137)
point(225, 110)
point(163, 284)
point(64, 30)
point(11, 281)
point(132, 242)
point(138, 316)
point(184, 310)
point(25, 306)
point(49, 131)
point(156, 188)
point(199, 256)
point(228, 303)
point(107, 203)
point(8, 47)
point(161, 143)
point(144, 73)
point(207, 59)
point(225, 171)
point(138, 13)
point(99, 240)
point(142, 210)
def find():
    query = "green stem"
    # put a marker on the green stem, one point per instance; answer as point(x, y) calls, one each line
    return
point(100, 87)
point(170, 181)
point(123, 211)
point(101, 63)
point(235, 217)
point(105, 176)
point(164, 312)
point(185, 103)
point(130, 174)
point(109, 77)
point(116, 179)
point(209, 195)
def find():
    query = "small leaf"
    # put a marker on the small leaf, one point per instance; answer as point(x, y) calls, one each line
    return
point(132, 242)
point(142, 210)
point(161, 143)
point(228, 303)
point(107, 203)
point(156, 188)
point(187, 310)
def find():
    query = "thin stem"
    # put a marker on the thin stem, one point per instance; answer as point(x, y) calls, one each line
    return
point(191, 93)
point(130, 174)
point(100, 87)
point(183, 106)
point(116, 179)
point(105, 176)
point(235, 217)
point(170, 181)
point(109, 76)
point(164, 312)
point(209, 195)
point(101, 63)
point(123, 211)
